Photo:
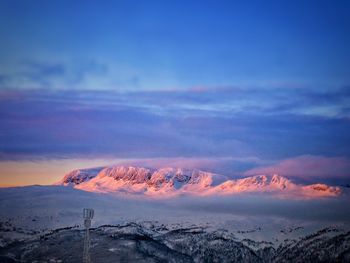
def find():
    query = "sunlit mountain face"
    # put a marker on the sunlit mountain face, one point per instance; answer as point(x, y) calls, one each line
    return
point(189, 131)
point(171, 182)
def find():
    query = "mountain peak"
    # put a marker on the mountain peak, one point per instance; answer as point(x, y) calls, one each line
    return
point(127, 173)
point(79, 176)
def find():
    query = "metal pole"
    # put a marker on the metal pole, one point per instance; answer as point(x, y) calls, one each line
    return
point(86, 247)
point(88, 214)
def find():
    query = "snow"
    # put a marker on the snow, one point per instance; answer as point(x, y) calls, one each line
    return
point(29, 211)
point(79, 176)
point(169, 182)
point(219, 210)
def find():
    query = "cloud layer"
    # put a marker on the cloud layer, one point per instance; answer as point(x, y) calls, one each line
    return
point(309, 168)
point(212, 129)
point(162, 124)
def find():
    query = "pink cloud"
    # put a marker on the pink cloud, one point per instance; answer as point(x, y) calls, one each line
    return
point(307, 166)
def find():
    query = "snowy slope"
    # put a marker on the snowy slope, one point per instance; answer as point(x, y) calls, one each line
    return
point(79, 176)
point(169, 182)
point(152, 182)
point(133, 242)
point(276, 185)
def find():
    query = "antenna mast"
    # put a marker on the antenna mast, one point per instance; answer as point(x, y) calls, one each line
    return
point(88, 214)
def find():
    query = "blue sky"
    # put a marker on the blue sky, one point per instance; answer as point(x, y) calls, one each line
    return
point(254, 81)
point(139, 45)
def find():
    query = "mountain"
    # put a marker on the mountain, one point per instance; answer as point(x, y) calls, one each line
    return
point(167, 182)
point(79, 176)
point(277, 185)
point(153, 182)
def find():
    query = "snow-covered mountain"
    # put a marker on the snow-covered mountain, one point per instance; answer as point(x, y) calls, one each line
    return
point(79, 176)
point(167, 182)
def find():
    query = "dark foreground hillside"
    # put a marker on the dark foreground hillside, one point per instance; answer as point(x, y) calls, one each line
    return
point(135, 243)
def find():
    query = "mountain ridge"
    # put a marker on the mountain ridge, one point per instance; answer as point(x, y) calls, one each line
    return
point(169, 181)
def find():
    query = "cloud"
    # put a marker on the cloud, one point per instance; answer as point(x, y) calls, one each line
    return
point(73, 123)
point(90, 74)
point(261, 206)
point(52, 74)
point(322, 102)
point(306, 167)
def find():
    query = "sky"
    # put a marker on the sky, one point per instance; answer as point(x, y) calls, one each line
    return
point(236, 87)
